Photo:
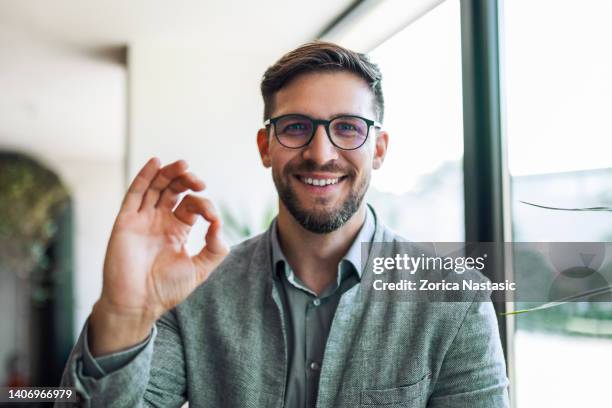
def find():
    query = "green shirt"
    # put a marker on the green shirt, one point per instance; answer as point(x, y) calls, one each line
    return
point(309, 316)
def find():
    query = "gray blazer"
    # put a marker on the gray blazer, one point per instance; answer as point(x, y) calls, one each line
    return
point(224, 346)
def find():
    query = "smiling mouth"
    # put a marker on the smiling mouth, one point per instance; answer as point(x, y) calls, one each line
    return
point(320, 182)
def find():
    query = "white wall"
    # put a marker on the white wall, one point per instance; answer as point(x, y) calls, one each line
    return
point(97, 190)
point(202, 104)
point(67, 109)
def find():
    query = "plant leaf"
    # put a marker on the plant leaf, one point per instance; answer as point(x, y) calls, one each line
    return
point(585, 295)
point(600, 208)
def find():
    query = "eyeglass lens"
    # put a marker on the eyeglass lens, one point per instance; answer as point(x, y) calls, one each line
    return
point(346, 132)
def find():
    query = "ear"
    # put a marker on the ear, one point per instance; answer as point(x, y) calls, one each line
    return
point(263, 144)
point(380, 149)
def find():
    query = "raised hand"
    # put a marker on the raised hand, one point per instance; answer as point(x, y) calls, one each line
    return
point(147, 269)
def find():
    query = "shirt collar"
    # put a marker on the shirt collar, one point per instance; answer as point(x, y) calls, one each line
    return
point(353, 255)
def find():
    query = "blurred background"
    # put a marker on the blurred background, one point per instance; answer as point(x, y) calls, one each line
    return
point(90, 90)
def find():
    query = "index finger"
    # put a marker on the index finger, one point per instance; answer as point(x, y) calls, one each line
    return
point(135, 194)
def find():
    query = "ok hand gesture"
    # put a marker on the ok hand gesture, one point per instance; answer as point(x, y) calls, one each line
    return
point(147, 269)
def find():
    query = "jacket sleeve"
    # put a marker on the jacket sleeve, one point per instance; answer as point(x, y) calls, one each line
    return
point(473, 372)
point(98, 367)
point(153, 377)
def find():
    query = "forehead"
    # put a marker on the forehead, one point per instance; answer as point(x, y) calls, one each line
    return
point(325, 94)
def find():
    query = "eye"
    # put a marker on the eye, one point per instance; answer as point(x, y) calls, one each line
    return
point(349, 127)
point(295, 126)
point(346, 127)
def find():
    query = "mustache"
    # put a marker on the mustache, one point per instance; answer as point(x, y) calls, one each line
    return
point(307, 166)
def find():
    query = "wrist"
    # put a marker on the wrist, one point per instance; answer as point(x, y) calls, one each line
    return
point(113, 329)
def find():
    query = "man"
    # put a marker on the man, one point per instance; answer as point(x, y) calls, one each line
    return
point(282, 320)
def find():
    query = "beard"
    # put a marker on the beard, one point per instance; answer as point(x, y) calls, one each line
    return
point(326, 220)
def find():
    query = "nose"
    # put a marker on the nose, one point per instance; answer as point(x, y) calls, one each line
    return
point(320, 149)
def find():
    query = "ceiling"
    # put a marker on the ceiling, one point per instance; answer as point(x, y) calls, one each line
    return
point(63, 92)
point(231, 23)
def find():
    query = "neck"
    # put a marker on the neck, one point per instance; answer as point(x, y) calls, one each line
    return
point(314, 257)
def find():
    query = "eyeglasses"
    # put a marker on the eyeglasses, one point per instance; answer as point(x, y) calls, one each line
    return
point(346, 132)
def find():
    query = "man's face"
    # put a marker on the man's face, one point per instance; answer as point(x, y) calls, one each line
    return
point(323, 95)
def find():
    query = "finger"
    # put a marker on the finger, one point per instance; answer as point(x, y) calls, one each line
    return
point(192, 206)
point(134, 196)
point(162, 179)
point(170, 195)
point(213, 252)
point(216, 248)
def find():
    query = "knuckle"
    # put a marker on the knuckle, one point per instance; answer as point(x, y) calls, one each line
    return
point(207, 202)
point(162, 179)
point(176, 187)
point(190, 201)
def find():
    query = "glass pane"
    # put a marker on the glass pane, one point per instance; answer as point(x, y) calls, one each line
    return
point(558, 94)
point(421, 68)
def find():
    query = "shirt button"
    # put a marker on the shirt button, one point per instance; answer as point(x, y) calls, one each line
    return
point(314, 366)
point(316, 302)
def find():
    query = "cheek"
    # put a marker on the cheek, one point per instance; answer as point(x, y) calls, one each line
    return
point(360, 160)
point(280, 157)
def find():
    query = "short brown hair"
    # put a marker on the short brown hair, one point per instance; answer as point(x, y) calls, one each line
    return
point(320, 56)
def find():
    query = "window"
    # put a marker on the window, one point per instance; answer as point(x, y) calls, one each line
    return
point(558, 95)
point(421, 68)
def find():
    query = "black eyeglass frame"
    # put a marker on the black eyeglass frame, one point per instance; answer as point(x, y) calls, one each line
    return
point(316, 122)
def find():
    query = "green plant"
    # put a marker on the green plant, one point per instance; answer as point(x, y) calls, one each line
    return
point(30, 195)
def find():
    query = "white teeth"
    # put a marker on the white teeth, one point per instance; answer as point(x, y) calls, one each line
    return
point(319, 182)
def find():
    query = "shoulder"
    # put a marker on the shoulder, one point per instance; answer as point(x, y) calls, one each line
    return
point(382, 231)
point(242, 272)
point(390, 235)
point(244, 259)
point(242, 254)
